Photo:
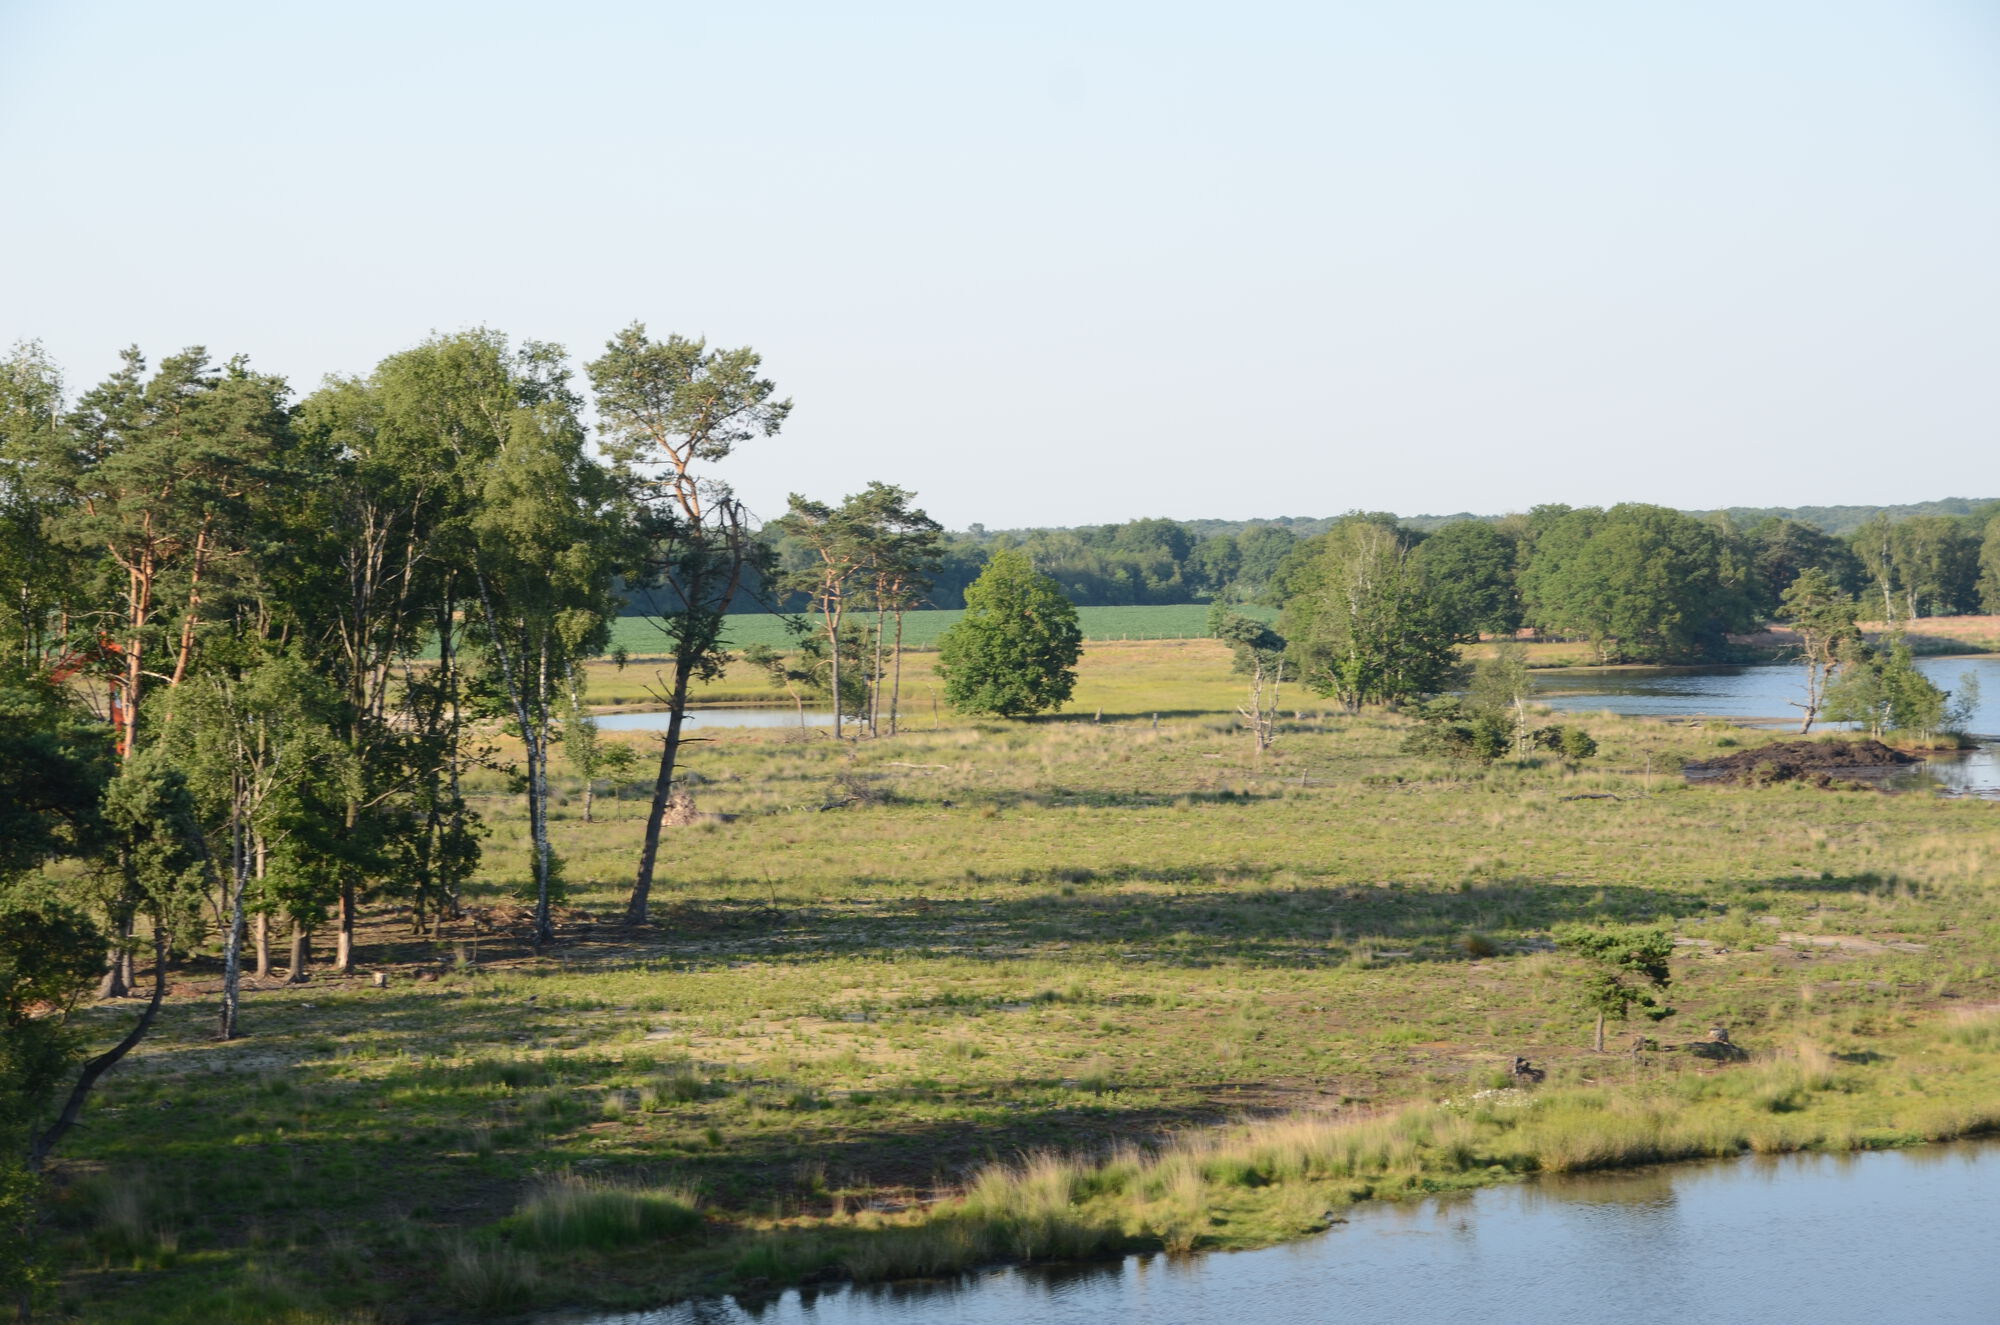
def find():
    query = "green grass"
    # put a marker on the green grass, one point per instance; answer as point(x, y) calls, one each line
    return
point(1055, 988)
point(921, 629)
point(570, 1212)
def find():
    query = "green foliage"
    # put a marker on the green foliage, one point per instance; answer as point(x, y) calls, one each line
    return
point(1574, 743)
point(156, 827)
point(1363, 623)
point(668, 410)
point(39, 576)
point(1253, 644)
point(1471, 565)
point(50, 954)
point(1643, 583)
point(1501, 679)
point(54, 764)
point(1819, 610)
point(1989, 567)
point(1620, 969)
point(1450, 728)
point(1824, 618)
point(1923, 565)
point(1781, 550)
point(1881, 689)
point(543, 536)
point(1015, 651)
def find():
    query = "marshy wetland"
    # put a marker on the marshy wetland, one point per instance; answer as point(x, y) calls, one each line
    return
point(1058, 990)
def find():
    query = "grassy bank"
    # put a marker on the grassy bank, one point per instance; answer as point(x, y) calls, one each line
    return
point(1033, 990)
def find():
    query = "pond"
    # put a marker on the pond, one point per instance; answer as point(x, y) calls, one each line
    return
point(1833, 1239)
point(1761, 694)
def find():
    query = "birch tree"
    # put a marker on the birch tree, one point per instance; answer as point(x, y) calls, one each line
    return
point(1824, 620)
point(544, 550)
point(900, 548)
point(836, 540)
point(249, 740)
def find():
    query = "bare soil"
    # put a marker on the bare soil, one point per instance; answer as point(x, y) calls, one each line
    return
point(1821, 763)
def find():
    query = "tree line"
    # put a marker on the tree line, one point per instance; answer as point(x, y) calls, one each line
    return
point(1374, 611)
point(1929, 563)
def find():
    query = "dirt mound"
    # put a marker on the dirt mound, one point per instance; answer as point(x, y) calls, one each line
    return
point(1822, 763)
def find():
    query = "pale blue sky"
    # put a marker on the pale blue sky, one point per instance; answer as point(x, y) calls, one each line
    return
point(1069, 262)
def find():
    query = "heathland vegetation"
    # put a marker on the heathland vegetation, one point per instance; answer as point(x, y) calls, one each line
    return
point(348, 970)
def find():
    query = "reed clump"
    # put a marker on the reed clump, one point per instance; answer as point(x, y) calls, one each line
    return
point(569, 1212)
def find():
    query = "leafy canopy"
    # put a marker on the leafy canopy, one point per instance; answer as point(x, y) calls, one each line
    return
point(1014, 653)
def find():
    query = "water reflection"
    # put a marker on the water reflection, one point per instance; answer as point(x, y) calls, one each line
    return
point(1762, 692)
point(1954, 773)
point(1835, 1239)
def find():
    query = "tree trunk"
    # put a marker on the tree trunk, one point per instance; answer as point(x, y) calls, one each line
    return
point(141, 598)
point(875, 683)
point(1815, 687)
point(262, 933)
point(301, 952)
point(533, 738)
point(343, 950)
point(232, 948)
point(1599, 1043)
point(117, 981)
point(896, 686)
point(663, 785)
point(589, 790)
point(447, 908)
point(833, 643)
point(72, 1110)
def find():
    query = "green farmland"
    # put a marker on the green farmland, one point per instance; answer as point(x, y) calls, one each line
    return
point(921, 629)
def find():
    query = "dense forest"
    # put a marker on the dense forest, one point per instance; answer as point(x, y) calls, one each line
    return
point(1933, 559)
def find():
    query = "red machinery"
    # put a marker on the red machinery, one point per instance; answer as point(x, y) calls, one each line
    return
point(76, 660)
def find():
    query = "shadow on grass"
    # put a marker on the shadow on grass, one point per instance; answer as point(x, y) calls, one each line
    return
point(1192, 916)
point(1008, 798)
point(1211, 915)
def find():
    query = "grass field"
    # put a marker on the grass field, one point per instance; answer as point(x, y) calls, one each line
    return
point(921, 629)
point(1039, 990)
point(1190, 621)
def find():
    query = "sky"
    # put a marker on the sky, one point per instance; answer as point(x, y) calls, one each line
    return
point(1068, 263)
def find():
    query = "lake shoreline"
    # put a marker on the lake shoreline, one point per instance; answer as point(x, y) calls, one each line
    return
point(808, 1249)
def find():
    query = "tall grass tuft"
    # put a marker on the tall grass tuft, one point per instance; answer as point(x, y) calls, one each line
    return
point(569, 1211)
point(488, 1278)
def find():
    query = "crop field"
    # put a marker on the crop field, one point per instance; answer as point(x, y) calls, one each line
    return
point(921, 629)
point(999, 991)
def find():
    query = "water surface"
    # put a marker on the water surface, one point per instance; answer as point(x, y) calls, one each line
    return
point(1761, 694)
point(1831, 1239)
point(1762, 691)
